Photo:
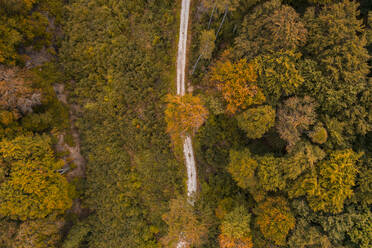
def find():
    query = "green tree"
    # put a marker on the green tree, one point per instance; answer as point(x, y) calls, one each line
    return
point(256, 121)
point(306, 235)
point(337, 76)
point(270, 173)
point(242, 167)
point(236, 230)
point(302, 157)
point(361, 232)
point(33, 188)
point(319, 134)
point(207, 43)
point(275, 219)
point(278, 74)
point(328, 188)
point(269, 28)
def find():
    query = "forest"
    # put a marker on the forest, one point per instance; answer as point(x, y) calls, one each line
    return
point(278, 105)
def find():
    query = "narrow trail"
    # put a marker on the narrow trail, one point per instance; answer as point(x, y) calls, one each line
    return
point(181, 66)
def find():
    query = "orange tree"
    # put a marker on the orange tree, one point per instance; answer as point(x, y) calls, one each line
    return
point(275, 219)
point(236, 81)
point(184, 114)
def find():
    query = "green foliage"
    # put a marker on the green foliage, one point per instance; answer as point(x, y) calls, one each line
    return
point(257, 121)
point(215, 139)
point(270, 173)
point(303, 156)
point(319, 134)
point(22, 24)
point(221, 5)
point(278, 74)
point(235, 229)
point(332, 184)
point(242, 168)
point(33, 188)
point(76, 236)
point(275, 219)
point(306, 235)
point(207, 39)
point(361, 233)
point(337, 76)
point(270, 27)
point(118, 55)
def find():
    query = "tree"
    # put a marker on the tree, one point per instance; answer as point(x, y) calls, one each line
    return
point(242, 167)
point(295, 116)
point(323, 1)
point(33, 188)
point(319, 134)
point(207, 43)
point(338, 75)
point(221, 5)
point(303, 156)
point(184, 224)
point(256, 121)
point(235, 229)
point(270, 173)
point(341, 55)
point(42, 233)
point(270, 28)
point(278, 74)
point(236, 81)
point(328, 188)
point(184, 114)
point(306, 235)
point(16, 94)
point(275, 219)
point(8, 229)
point(20, 27)
point(361, 232)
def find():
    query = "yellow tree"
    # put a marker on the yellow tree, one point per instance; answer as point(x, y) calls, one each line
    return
point(184, 114)
point(235, 229)
point(275, 219)
point(236, 81)
point(32, 188)
point(331, 184)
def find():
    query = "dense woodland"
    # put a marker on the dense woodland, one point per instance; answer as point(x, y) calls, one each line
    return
point(279, 109)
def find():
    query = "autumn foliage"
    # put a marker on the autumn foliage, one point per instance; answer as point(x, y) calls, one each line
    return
point(275, 219)
point(184, 114)
point(236, 81)
point(235, 229)
point(32, 187)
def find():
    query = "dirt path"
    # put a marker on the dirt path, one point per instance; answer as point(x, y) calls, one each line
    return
point(181, 66)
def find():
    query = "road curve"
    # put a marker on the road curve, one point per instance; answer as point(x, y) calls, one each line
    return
point(181, 66)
